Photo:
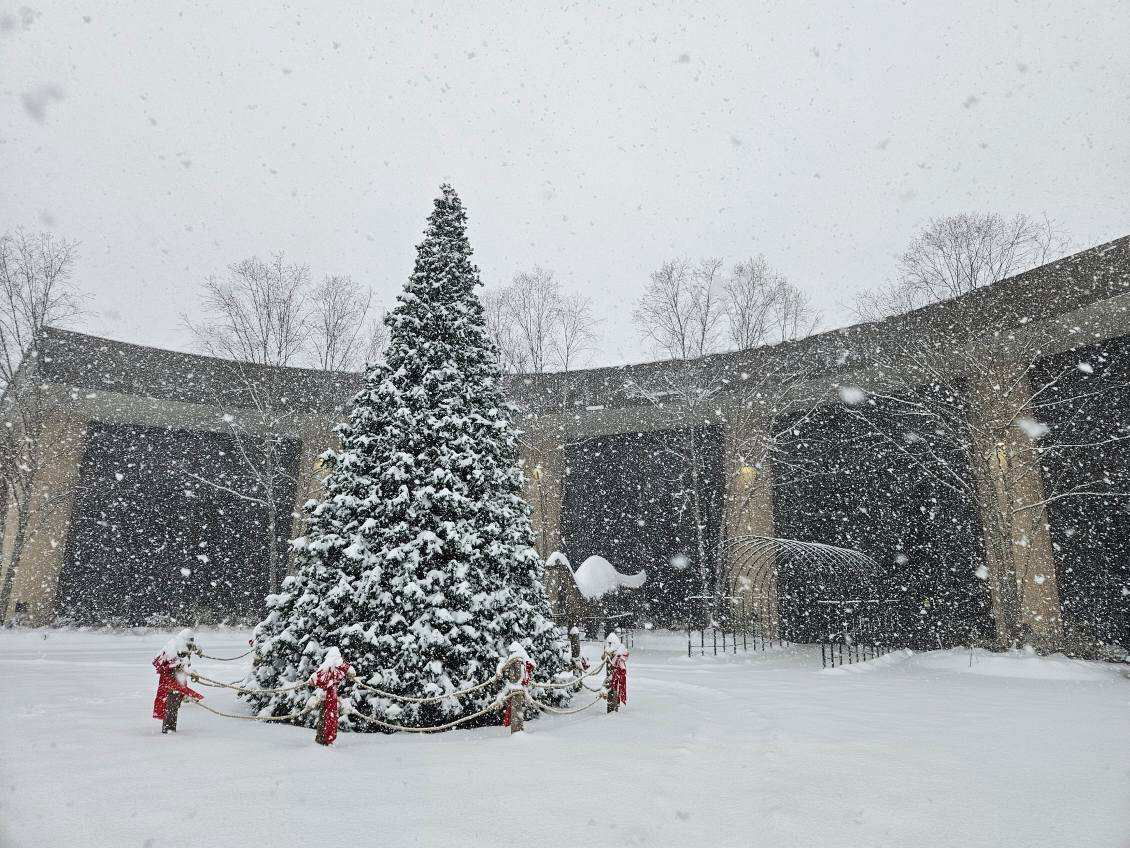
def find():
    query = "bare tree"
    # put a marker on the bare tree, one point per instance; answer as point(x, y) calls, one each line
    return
point(512, 355)
point(259, 319)
point(681, 310)
point(794, 316)
point(536, 326)
point(376, 338)
point(258, 313)
point(758, 411)
point(532, 301)
point(761, 306)
point(681, 314)
point(36, 291)
point(343, 334)
point(686, 310)
point(958, 254)
point(751, 294)
point(974, 376)
point(574, 331)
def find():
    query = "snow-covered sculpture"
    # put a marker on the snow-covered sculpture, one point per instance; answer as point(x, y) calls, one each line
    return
point(596, 576)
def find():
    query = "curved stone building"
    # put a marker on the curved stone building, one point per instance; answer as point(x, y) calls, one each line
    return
point(147, 506)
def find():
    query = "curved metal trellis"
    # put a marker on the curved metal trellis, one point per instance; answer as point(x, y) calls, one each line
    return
point(839, 580)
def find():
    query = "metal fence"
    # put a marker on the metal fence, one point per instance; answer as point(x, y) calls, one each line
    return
point(856, 630)
point(717, 640)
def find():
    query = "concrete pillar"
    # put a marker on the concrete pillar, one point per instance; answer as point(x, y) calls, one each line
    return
point(1011, 492)
point(749, 512)
point(544, 467)
point(36, 576)
point(317, 436)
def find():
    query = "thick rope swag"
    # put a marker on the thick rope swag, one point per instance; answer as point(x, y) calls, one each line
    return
point(497, 705)
point(360, 683)
point(493, 707)
point(208, 681)
point(558, 711)
point(290, 717)
point(225, 659)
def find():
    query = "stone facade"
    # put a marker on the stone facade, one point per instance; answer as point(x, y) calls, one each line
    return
point(101, 380)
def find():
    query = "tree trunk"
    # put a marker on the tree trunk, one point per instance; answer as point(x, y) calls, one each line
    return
point(273, 542)
point(543, 510)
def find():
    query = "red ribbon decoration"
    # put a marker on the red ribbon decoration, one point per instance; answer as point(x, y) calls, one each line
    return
point(619, 664)
point(327, 679)
point(167, 682)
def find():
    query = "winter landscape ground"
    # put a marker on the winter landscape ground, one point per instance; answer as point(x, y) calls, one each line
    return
point(944, 748)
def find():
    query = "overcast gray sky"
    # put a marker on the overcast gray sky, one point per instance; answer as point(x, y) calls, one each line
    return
point(595, 140)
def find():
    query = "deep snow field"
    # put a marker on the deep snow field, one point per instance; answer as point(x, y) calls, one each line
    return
point(758, 749)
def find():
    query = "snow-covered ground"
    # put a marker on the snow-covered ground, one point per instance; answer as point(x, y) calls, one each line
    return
point(761, 749)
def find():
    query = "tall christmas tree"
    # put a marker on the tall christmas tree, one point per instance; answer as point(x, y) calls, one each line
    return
point(418, 561)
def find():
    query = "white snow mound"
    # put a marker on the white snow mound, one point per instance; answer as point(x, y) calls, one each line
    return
point(597, 577)
point(1022, 663)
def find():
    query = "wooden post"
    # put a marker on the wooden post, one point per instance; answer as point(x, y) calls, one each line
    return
point(575, 653)
point(613, 697)
point(513, 672)
point(320, 736)
point(172, 708)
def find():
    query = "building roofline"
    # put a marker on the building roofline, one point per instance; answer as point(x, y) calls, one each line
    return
point(93, 362)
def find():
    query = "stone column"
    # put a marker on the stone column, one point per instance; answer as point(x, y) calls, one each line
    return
point(36, 577)
point(317, 436)
point(544, 467)
point(1011, 493)
point(749, 512)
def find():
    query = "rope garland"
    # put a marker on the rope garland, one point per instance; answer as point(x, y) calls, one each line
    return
point(432, 700)
point(573, 682)
point(219, 684)
point(559, 711)
point(290, 717)
point(207, 681)
point(497, 705)
point(214, 685)
point(225, 659)
point(360, 683)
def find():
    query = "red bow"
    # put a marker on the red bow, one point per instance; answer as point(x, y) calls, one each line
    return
point(327, 679)
point(167, 682)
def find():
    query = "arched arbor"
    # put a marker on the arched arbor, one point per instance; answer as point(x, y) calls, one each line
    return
point(806, 591)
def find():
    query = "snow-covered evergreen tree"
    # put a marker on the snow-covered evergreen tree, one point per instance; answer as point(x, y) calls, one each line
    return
point(418, 561)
